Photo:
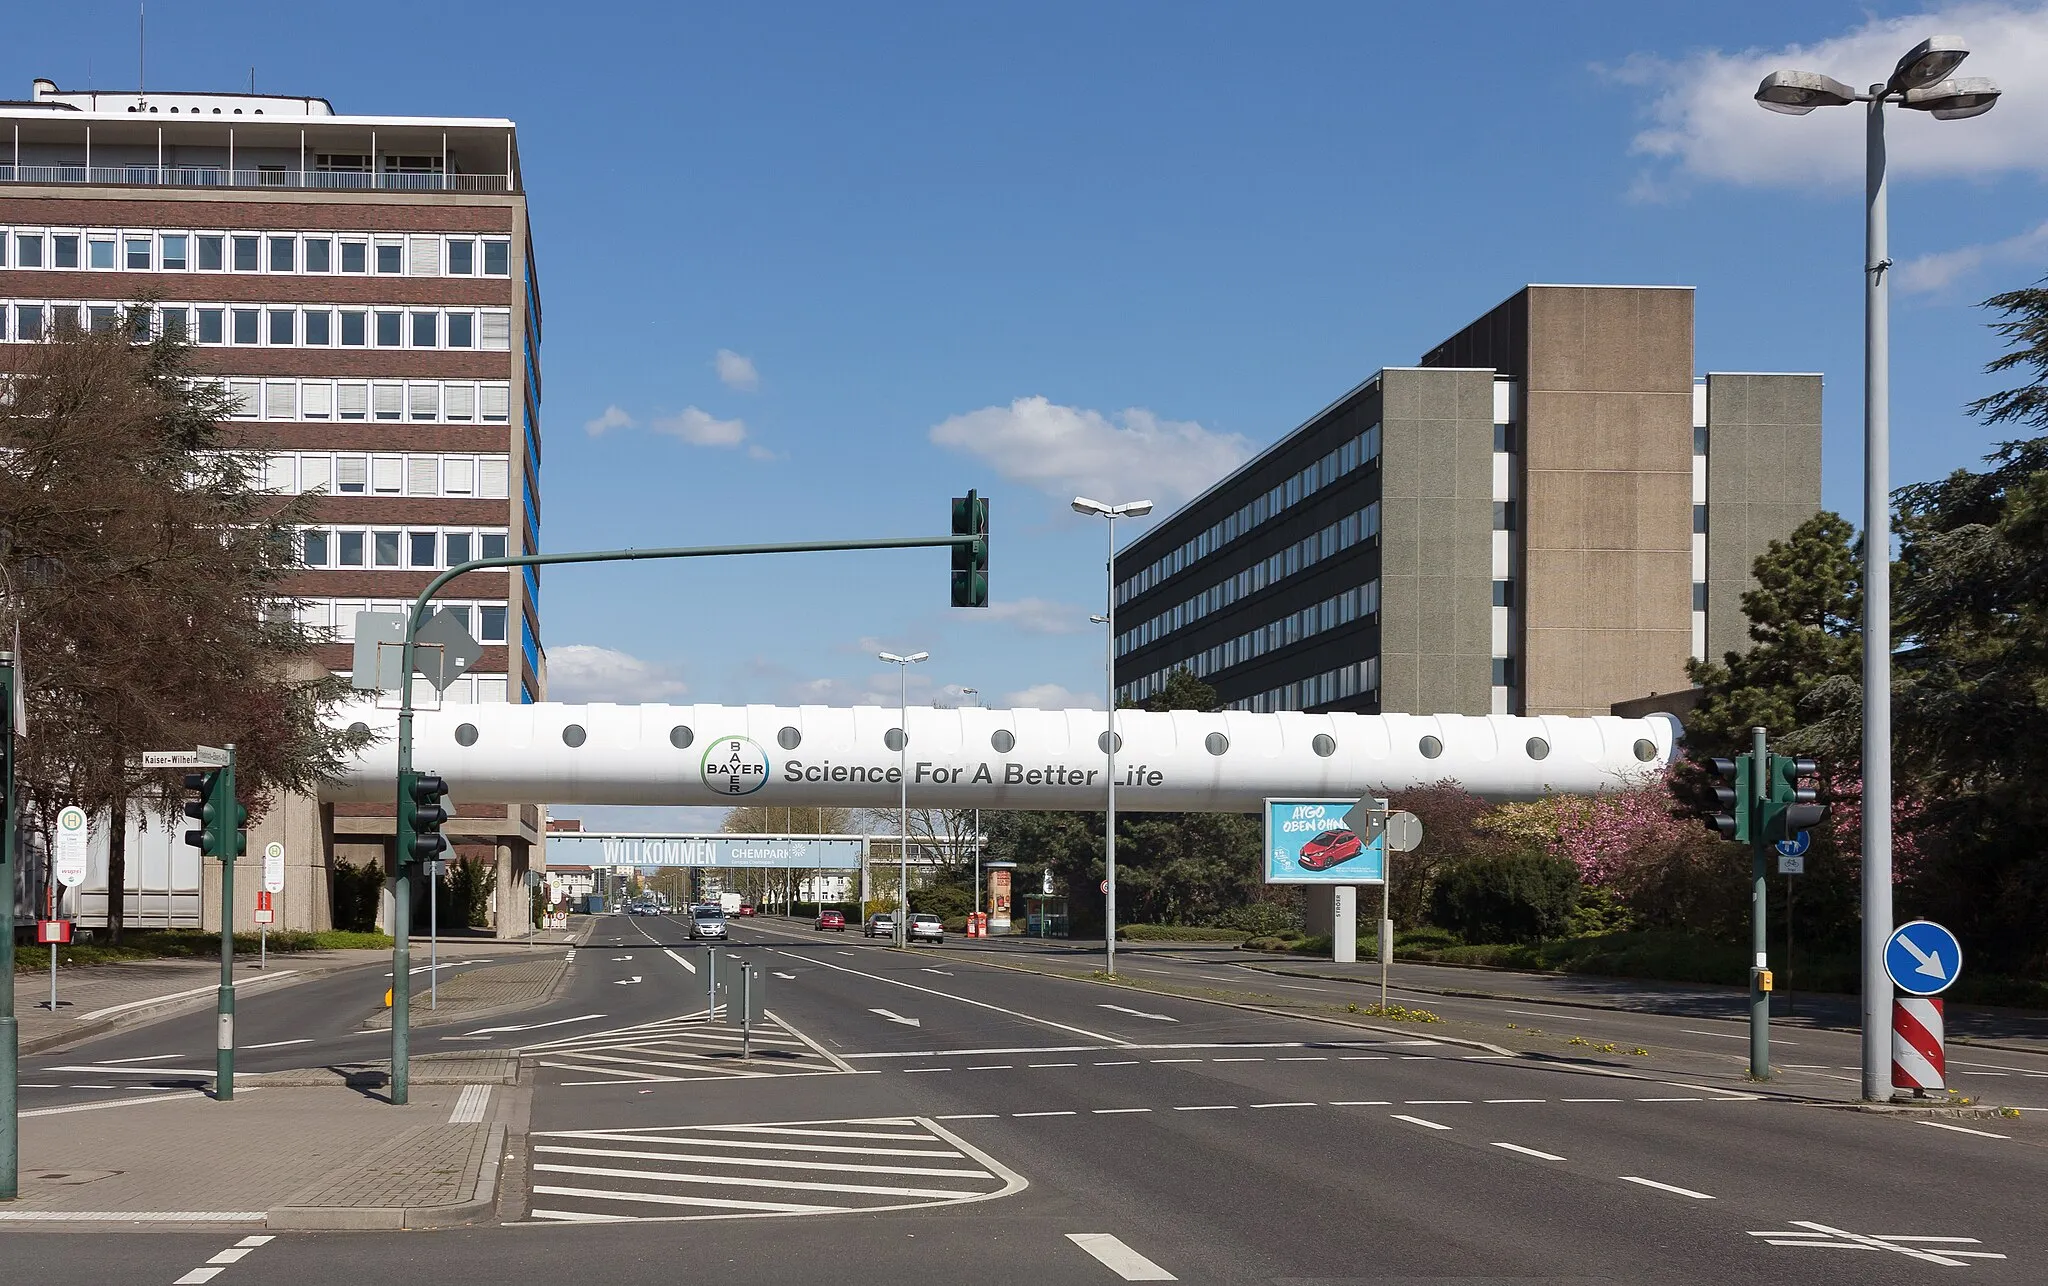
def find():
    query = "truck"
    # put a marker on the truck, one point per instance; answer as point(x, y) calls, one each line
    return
point(730, 902)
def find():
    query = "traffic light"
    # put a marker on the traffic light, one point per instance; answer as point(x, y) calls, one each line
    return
point(421, 817)
point(1732, 795)
point(970, 562)
point(219, 815)
point(1790, 806)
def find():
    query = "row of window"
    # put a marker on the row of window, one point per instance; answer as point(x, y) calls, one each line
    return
point(146, 250)
point(417, 401)
point(418, 549)
point(489, 330)
point(1306, 552)
point(1339, 609)
point(479, 477)
point(1353, 454)
point(485, 621)
point(1333, 685)
point(469, 689)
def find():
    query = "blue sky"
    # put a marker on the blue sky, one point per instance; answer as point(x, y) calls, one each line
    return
point(1109, 248)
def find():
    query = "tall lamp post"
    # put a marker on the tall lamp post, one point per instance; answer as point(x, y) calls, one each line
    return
point(1134, 509)
point(976, 694)
point(903, 664)
point(1922, 82)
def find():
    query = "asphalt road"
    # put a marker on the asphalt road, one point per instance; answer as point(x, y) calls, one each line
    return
point(912, 1114)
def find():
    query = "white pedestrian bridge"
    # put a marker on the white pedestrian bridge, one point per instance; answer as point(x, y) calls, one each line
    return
point(1179, 761)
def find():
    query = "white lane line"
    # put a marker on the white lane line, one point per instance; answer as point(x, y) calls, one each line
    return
point(1117, 1111)
point(1589, 1100)
point(256, 1241)
point(206, 1072)
point(970, 1116)
point(1237, 1060)
point(707, 1141)
point(1283, 1105)
point(1939, 1125)
point(1416, 1120)
point(1363, 1058)
point(761, 1163)
point(1119, 1258)
point(670, 1199)
point(1209, 1107)
point(2003, 1067)
point(1024, 1114)
point(994, 1067)
point(1054, 1064)
point(1530, 1152)
point(1435, 1102)
point(280, 1044)
point(1128, 1062)
point(198, 1276)
point(1666, 1187)
point(748, 1181)
point(978, 1004)
point(1668, 1100)
point(133, 1216)
point(1516, 1100)
point(1303, 1058)
point(1360, 1102)
point(1175, 1060)
point(144, 1058)
point(241, 984)
point(913, 1071)
point(232, 1255)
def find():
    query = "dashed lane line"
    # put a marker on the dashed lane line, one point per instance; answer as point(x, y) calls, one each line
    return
point(1416, 1120)
point(1667, 1187)
point(1119, 1258)
point(1529, 1152)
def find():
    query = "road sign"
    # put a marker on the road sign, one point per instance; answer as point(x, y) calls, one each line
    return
point(266, 911)
point(1104, 886)
point(199, 757)
point(1797, 845)
point(273, 867)
point(1404, 832)
point(1367, 818)
point(1918, 1061)
point(443, 650)
point(379, 652)
point(72, 847)
point(1923, 958)
point(1791, 863)
point(556, 894)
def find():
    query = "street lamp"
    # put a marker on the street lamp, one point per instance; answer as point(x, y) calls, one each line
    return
point(1922, 82)
point(903, 664)
point(976, 694)
point(1134, 509)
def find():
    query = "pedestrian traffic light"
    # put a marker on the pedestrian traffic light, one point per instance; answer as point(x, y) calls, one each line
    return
point(220, 816)
point(1790, 806)
point(970, 562)
point(421, 817)
point(1732, 796)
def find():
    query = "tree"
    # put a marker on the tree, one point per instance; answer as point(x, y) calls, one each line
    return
point(146, 571)
point(1183, 691)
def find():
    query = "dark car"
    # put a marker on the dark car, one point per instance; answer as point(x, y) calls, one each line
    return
point(831, 920)
point(1330, 848)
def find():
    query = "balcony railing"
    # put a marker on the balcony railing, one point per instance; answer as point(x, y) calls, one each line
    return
point(215, 176)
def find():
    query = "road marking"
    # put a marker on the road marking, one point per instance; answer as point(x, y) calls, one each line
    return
point(978, 1004)
point(1435, 1102)
point(1933, 1250)
point(1667, 1100)
point(912, 1071)
point(197, 1276)
point(1024, 1114)
point(489, 1031)
point(1055, 1064)
point(898, 1018)
point(1589, 1100)
point(145, 1058)
point(971, 1116)
point(280, 1044)
point(205, 1072)
point(993, 1067)
point(1416, 1120)
point(118, 1102)
point(1235, 1060)
point(1516, 1100)
point(1139, 1013)
point(1120, 1259)
point(1116, 1111)
point(1360, 1102)
point(1530, 1152)
point(943, 973)
point(1303, 1058)
point(1957, 1062)
point(787, 977)
point(1362, 1058)
point(1964, 1129)
point(241, 984)
point(470, 1104)
point(1128, 1062)
point(1283, 1105)
point(1177, 1060)
point(1666, 1187)
point(1209, 1107)
point(134, 1216)
point(626, 982)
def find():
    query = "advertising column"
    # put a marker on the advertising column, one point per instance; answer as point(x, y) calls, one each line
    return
point(998, 901)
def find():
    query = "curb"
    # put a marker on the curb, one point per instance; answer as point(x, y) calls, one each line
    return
point(429, 1018)
point(479, 1207)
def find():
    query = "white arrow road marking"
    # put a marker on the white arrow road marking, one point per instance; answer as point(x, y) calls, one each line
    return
point(488, 1031)
point(1930, 961)
point(1139, 1013)
point(790, 976)
point(897, 1018)
point(943, 973)
point(626, 982)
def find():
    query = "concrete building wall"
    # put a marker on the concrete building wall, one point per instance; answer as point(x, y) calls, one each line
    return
point(1436, 497)
point(1763, 480)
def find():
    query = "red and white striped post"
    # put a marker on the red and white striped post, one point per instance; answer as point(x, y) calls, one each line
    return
point(1917, 1061)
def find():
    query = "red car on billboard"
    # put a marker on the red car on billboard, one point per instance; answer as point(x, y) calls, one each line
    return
point(1330, 848)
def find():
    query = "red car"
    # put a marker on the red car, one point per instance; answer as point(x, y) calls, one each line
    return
point(746, 908)
point(1330, 848)
point(831, 920)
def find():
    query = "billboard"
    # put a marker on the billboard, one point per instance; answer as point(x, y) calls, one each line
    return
point(1307, 842)
point(831, 853)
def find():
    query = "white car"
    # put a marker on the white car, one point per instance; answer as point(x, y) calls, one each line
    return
point(925, 927)
point(707, 922)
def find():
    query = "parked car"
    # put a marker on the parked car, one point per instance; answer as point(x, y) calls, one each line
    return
point(831, 920)
point(880, 925)
point(707, 922)
point(1330, 848)
point(746, 908)
point(926, 927)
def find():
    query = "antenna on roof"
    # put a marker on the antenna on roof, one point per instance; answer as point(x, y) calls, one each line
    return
point(252, 80)
point(141, 46)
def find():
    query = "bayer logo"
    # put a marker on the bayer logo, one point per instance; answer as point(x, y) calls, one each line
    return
point(735, 766)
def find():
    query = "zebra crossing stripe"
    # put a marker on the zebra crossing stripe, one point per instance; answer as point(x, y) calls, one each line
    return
point(835, 1167)
point(673, 1199)
point(707, 1141)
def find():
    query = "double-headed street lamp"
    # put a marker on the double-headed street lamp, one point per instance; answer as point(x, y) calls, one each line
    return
point(1922, 82)
point(903, 664)
point(1134, 509)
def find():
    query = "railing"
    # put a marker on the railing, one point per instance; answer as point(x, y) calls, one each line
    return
point(214, 176)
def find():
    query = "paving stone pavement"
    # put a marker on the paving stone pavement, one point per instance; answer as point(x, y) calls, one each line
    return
point(428, 1165)
point(485, 990)
point(426, 1069)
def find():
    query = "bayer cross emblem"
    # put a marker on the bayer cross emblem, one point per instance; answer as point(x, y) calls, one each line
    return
point(735, 766)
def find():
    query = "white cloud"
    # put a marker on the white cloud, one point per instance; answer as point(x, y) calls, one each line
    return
point(701, 429)
point(735, 371)
point(1064, 450)
point(1930, 274)
point(1706, 125)
point(755, 451)
point(585, 672)
point(614, 417)
point(1033, 616)
point(1051, 696)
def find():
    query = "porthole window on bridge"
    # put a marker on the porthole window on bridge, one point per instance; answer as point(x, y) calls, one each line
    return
point(1430, 747)
point(1216, 743)
point(789, 738)
point(359, 729)
point(1003, 740)
point(1324, 745)
point(573, 735)
point(465, 734)
point(1538, 748)
point(680, 737)
point(1646, 750)
point(894, 739)
point(1104, 744)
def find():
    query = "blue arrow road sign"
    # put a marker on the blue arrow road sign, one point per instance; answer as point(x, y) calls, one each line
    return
point(1796, 845)
point(1923, 958)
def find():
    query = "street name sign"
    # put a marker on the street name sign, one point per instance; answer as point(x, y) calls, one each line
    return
point(72, 847)
point(1923, 958)
point(199, 757)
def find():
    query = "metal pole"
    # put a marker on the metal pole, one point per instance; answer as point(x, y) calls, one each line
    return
point(903, 815)
point(1759, 999)
point(10, 1027)
point(1788, 946)
point(977, 861)
point(1386, 933)
point(401, 928)
point(1877, 612)
point(1109, 749)
point(434, 935)
point(224, 1019)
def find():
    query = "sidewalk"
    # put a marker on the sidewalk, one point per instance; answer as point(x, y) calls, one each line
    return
point(279, 1155)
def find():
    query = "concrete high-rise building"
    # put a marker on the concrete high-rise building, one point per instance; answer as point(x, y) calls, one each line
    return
point(365, 289)
point(1550, 515)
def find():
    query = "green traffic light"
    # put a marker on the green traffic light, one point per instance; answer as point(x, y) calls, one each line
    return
point(970, 562)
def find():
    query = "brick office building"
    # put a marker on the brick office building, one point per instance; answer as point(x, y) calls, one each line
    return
point(365, 288)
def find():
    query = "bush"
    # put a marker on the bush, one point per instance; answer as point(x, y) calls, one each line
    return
point(355, 892)
point(1520, 897)
point(1258, 919)
point(946, 901)
point(1178, 933)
